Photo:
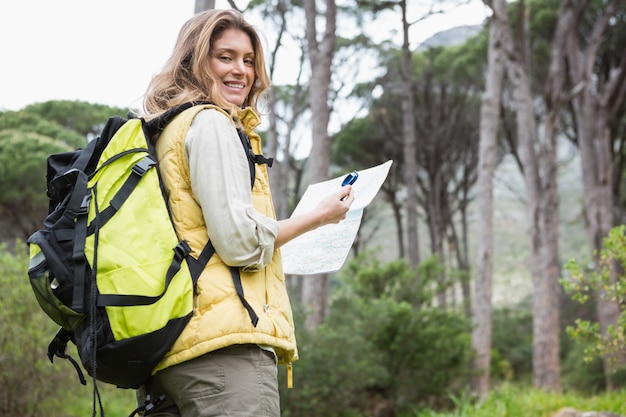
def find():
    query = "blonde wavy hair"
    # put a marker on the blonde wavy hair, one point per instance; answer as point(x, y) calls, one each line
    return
point(187, 75)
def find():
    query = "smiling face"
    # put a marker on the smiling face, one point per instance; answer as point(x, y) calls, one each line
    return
point(232, 62)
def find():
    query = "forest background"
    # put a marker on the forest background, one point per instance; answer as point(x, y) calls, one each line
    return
point(454, 287)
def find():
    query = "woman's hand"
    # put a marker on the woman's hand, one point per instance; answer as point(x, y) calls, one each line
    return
point(332, 209)
point(335, 206)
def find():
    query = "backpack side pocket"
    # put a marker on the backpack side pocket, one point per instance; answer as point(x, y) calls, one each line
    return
point(45, 287)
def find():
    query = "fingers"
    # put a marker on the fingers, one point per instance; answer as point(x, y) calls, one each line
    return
point(346, 198)
point(346, 194)
point(336, 205)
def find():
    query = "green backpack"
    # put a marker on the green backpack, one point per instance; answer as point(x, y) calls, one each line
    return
point(107, 266)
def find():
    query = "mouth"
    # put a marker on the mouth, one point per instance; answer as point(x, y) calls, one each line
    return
point(239, 86)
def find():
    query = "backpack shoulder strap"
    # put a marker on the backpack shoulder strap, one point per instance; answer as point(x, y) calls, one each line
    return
point(253, 158)
point(156, 125)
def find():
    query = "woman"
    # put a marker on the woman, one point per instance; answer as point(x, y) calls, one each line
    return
point(224, 363)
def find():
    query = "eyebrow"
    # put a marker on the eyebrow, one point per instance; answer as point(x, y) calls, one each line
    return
point(232, 51)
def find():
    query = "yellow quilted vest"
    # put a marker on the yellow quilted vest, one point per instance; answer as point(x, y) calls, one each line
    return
point(219, 319)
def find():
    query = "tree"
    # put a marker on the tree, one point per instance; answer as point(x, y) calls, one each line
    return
point(446, 125)
point(32, 122)
point(538, 157)
point(445, 120)
point(597, 71)
point(409, 142)
point(320, 53)
point(81, 117)
point(26, 140)
point(482, 305)
point(287, 103)
point(23, 197)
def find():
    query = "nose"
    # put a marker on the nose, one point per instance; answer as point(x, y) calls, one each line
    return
point(238, 66)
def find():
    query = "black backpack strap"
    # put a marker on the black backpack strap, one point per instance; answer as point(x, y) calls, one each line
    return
point(57, 348)
point(239, 288)
point(78, 208)
point(196, 266)
point(253, 158)
point(137, 172)
point(262, 160)
point(156, 125)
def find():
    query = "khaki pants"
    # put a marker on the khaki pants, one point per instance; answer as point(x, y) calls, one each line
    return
point(239, 380)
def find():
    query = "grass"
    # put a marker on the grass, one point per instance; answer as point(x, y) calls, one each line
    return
point(116, 402)
point(509, 400)
point(516, 401)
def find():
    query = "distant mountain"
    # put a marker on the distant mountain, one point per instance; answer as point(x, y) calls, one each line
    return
point(454, 36)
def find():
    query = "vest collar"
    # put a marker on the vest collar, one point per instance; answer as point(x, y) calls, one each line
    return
point(249, 120)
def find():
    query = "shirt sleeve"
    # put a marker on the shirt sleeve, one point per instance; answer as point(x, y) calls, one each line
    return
point(220, 182)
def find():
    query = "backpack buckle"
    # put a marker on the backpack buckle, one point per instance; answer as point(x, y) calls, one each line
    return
point(84, 205)
point(82, 210)
point(182, 249)
point(143, 166)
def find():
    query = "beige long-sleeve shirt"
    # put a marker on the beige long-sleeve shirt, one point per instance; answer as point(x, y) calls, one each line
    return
point(220, 180)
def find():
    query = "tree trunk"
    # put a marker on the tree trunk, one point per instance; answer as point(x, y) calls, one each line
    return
point(315, 287)
point(546, 304)
point(489, 120)
point(279, 173)
point(598, 101)
point(538, 156)
point(408, 132)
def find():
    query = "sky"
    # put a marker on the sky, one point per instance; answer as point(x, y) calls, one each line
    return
point(106, 52)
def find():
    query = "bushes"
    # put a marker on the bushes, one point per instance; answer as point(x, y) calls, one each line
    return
point(608, 282)
point(26, 377)
point(511, 343)
point(29, 384)
point(379, 348)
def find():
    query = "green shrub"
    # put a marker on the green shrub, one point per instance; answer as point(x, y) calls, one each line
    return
point(608, 281)
point(511, 342)
point(25, 373)
point(581, 374)
point(379, 346)
point(29, 384)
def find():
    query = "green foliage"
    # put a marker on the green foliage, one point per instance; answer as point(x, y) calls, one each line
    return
point(607, 281)
point(24, 121)
point(30, 384)
point(23, 197)
point(543, 18)
point(336, 368)
point(368, 278)
point(463, 64)
point(23, 167)
point(86, 119)
point(26, 379)
point(524, 401)
point(511, 342)
point(581, 374)
point(362, 142)
point(380, 344)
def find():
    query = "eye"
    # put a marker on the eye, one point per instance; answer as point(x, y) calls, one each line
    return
point(249, 62)
point(225, 58)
